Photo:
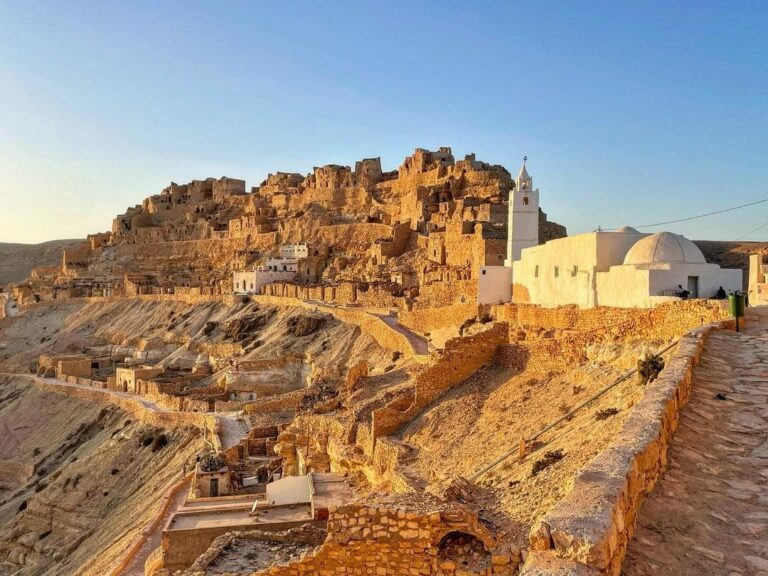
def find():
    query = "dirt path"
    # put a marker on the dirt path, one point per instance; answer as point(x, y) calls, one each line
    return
point(709, 513)
point(419, 344)
point(136, 567)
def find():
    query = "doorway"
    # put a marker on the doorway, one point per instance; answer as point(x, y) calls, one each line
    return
point(214, 487)
point(693, 286)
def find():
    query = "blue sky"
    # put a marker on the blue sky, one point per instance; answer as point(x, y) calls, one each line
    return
point(629, 112)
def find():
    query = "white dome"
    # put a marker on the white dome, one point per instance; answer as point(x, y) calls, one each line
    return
point(664, 247)
point(627, 230)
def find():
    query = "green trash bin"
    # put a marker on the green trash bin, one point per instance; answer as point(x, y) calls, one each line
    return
point(736, 303)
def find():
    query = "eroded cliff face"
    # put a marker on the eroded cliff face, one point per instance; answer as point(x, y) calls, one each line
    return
point(78, 480)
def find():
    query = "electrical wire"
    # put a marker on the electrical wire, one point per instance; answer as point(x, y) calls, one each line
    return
point(752, 231)
point(698, 216)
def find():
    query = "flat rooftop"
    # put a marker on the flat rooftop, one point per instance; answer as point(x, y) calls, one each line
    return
point(238, 518)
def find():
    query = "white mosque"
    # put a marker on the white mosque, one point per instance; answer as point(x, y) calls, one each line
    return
point(625, 268)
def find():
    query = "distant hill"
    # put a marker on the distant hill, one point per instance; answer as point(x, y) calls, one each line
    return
point(731, 254)
point(17, 260)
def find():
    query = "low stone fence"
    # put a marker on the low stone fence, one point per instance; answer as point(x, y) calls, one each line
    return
point(587, 532)
point(429, 319)
point(135, 406)
point(290, 402)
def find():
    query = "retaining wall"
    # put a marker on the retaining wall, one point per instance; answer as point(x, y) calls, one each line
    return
point(429, 319)
point(569, 331)
point(457, 362)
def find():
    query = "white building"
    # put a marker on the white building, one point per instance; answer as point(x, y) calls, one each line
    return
point(523, 217)
point(278, 269)
point(495, 282)
point(624, 269)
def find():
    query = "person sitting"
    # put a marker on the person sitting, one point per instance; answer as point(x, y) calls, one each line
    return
point(720, 294)
point(681, 292)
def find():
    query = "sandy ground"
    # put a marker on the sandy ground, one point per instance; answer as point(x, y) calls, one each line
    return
point(709, 513)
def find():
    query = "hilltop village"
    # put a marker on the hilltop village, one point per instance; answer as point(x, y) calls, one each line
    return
point(402, 234)
point(363, 372)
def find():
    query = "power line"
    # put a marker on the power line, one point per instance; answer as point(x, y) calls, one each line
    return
point(700, 215)
point(752, 231)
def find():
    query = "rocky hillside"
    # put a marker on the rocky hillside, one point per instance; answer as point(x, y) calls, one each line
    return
point(17, 260)
point(77, 480)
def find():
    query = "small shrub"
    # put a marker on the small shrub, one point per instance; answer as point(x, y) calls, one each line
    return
point(23, 506)
point(146, 439)
point(549, 458)
point(115, 471)
point(649, 368)
point(606, 413)
point(161, 441)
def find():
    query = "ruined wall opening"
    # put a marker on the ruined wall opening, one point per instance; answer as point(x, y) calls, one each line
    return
point(463, 551)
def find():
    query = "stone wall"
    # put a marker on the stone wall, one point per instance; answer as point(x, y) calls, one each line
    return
point(565, 334)
point(457, 362)
point(134, 406)
point(388, 541)
point(669, 318)
point(425, 320)
point(587, 532)
point(437, 294)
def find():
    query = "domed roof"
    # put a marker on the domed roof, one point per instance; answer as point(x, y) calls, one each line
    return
point(664, 247)
point(627, 230)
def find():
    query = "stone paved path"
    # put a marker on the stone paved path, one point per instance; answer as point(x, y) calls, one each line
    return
point(709, 513)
